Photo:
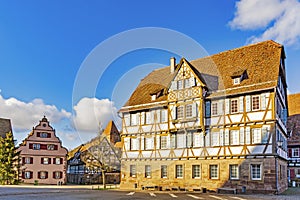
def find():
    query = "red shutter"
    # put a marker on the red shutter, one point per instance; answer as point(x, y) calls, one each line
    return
point(49, 160)
point(31, 174)
point(39, 174)
point(53, 174)
point(292, 173)
point(30, 146)
point(31, 160)
point(55, 147)
point(43, 146)
point(290, 153)
point(42, 161)
point(46, 175)
point(38, 134)
point(61, 160)
point(48, 135)
point(60, 174)
point(54, 161)
point(23, 160)
point(23, 175)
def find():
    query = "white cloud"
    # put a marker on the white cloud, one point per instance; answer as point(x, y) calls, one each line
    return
point(89, 112)
point(279, 19)
point(25, 115)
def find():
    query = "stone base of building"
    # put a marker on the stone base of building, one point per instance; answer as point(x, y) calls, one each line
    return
point(273, 177)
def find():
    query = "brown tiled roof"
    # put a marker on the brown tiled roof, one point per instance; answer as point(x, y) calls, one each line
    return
point(261, 62)
point(5, 127)
point(294, 104)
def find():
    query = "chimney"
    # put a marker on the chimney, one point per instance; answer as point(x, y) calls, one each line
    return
point(172, 64)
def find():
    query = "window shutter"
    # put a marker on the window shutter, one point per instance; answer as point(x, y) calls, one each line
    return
point(49, 160)
point(207, 109)
point(127, 119)
point(31, 174)
point(142, 118)
point(174, 112)
point(152, 117)
point(60, 174)
point(241, 106)
point(263, 101)
point(192, 81)
point(194, 110)
point(173, 85)
point(242, 136)
point(39, 175)
point(127, 143)
point(226, 137)
point(48, 135)
point(38, 134)
point(42, 162)
point(221, 137)
point(248, 103)
point(201, 142)
point(31, 160)
point(221, 107)
point(30, 146)
point(142, 143)
point(54, 161)
point(157, 142)
point(265, 135)
point(23, 175)
point(227, 105)
point(55, 147)
point(207, 138)
point(53, 175)
point(290, 153)
point(61, 160)
point(23, 160)
point(248, 135)
point(284, 115)
point(157, 116)
point(46, 175)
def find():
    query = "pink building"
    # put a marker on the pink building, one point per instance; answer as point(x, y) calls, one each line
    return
point(43, 158)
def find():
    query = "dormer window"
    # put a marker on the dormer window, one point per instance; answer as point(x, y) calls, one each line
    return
point(153, 97)
point(236, 81)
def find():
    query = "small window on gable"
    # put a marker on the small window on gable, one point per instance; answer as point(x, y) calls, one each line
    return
point(239, 76)
point(153, 97)
point(236, 81)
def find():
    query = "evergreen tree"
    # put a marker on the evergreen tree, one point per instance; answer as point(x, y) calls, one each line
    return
point(9, 161)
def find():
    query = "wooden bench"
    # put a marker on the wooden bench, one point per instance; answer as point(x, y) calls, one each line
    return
point(227, 189)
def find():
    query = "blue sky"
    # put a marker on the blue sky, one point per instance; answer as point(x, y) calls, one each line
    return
point(43, 45)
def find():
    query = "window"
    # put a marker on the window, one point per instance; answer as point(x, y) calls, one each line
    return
point(234, 106)
point(27, 175)
point(236, 80)
point(132, 171)
point(256, 171)
point(189, 139)
point(179, 171)
point(43, 175)
point(173, 141)
point(133, 119)
point(134, 144)
point(213, 170)
point(187, 83)
point(149, 143)
point(148, 171)
point(28, 160)
point(196, 171)
point(188, 111)
point(214, 108)
point(255, 103)
point(179, 84)
point(36, 146)
point(198, 140)
point(181, 140)
point(50, 146)
point(234, 137)
point(234, 171)
point(44, 135)
point(164, 171)
point(180, 113)
point(46, 161)
point(256, 135)
point(163, 142)
point(295, 152)
point(57, 161)
point(57, 175)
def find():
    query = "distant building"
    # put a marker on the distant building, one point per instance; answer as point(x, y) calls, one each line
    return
point(5, 127)
point(43, 158)
point(214, 122)
point(294, 139)
point(83, 162)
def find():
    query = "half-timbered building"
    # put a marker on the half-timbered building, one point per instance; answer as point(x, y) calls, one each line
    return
point(294, 140)
point(215, 122)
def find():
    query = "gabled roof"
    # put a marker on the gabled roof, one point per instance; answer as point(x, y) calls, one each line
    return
point(261, 62)
point(5, 127)
point(294, 104)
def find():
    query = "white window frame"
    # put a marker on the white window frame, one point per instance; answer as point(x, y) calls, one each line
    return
point(57, 161)
point(188, 111)
point(254, 174)
point(27, 160)
point(196, 171)
point(180, 112)
point(214, 108)
point(147, 171)
point(179, 171)
point(27, 175)
point(295, 152)
point(234, 171)
point(256, 135)
point(215, 138)
point(149, 142)
point(46, 161)
point(132, 170)
point(231, 106)
point(234, 137)
point(214, 171)
point(164, 171)
point(164, 116)
point(236, 81)
point(163, 142)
